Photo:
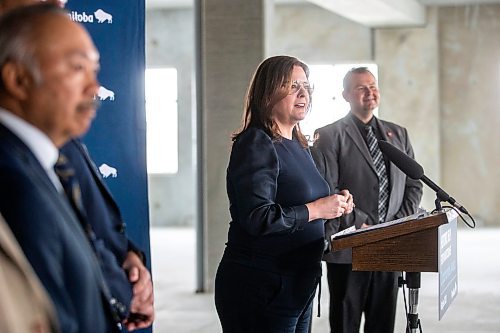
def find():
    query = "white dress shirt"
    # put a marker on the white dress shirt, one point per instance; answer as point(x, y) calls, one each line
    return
point(38, 142)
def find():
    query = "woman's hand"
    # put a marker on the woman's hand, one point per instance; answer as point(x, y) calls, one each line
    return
point(328, 207)
point(331, 206)
point(350, 201)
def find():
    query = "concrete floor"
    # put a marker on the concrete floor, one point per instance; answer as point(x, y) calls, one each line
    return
point(476, 308)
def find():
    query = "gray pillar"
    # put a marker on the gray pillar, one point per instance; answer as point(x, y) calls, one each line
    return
point(470, 82)
point(408, 62)
point(231, 38)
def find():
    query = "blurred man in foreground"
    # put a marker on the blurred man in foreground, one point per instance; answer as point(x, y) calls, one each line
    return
point(48, 68)
point(122, 263)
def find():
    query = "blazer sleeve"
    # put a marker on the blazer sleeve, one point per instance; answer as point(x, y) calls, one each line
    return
point(252, 183)
point(413, 188)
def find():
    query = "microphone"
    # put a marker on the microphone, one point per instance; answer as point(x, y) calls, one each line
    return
point(415, 171)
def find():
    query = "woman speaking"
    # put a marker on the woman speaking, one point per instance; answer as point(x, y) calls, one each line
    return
point(267, 277)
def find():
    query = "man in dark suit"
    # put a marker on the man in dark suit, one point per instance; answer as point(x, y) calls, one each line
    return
point(48, 68)
point(347, 155)
point(122, 263)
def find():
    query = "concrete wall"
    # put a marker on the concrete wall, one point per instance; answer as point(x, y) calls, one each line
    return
point(441, 81)
point(170, 43)
point(318, 36)
point(408, 61)
point(470, 107)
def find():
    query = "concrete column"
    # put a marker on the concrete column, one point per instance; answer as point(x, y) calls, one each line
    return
point(470, 82)
point(408, 62)
point(232, 45)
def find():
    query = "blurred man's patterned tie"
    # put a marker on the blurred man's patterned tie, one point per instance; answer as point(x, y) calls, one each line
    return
point(71, 187)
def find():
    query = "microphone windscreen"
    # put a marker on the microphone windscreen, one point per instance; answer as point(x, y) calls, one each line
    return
point(404, 162)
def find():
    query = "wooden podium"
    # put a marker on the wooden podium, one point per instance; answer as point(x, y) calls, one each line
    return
point(418, 243)
point(409, 244)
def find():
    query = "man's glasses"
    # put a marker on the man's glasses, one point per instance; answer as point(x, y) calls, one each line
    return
point(297, 85)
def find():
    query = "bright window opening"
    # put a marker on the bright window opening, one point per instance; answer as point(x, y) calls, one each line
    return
point(161, 119)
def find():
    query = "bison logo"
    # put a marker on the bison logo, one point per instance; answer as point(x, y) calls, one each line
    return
point(102, 16)
point(107, 171)
point(105, 93)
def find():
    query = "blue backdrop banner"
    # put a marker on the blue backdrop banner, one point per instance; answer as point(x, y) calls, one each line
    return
point(117, 138)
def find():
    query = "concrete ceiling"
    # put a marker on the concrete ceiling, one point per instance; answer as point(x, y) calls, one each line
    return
point(377, 13)
point(372, 13)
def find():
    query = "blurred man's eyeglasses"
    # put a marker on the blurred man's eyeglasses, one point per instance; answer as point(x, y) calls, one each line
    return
point(297, 85)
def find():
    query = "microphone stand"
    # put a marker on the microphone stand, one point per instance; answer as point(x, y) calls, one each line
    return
point(413, 279)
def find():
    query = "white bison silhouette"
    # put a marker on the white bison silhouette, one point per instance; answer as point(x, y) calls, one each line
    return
point(107, 171)
point(102, 16)
point(105, 93)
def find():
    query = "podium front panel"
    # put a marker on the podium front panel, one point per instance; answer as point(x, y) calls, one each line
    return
point(448, 266)
point(414, 252)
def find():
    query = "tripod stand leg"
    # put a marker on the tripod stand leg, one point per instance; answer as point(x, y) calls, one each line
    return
point(413, 282)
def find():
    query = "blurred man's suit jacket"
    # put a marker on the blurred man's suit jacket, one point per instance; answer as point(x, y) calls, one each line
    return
point(25, 306)
point(52, 239)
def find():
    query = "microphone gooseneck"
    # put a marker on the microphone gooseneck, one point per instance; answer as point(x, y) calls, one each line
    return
point(415, 171)
point(404, 162)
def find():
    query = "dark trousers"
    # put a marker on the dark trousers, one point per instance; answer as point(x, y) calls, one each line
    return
point(352, 293)
point(253, 300)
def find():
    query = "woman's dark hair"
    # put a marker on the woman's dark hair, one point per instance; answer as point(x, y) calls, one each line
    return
point(269, 85)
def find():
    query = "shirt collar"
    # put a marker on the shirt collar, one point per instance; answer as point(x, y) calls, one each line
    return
point(37, 141)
